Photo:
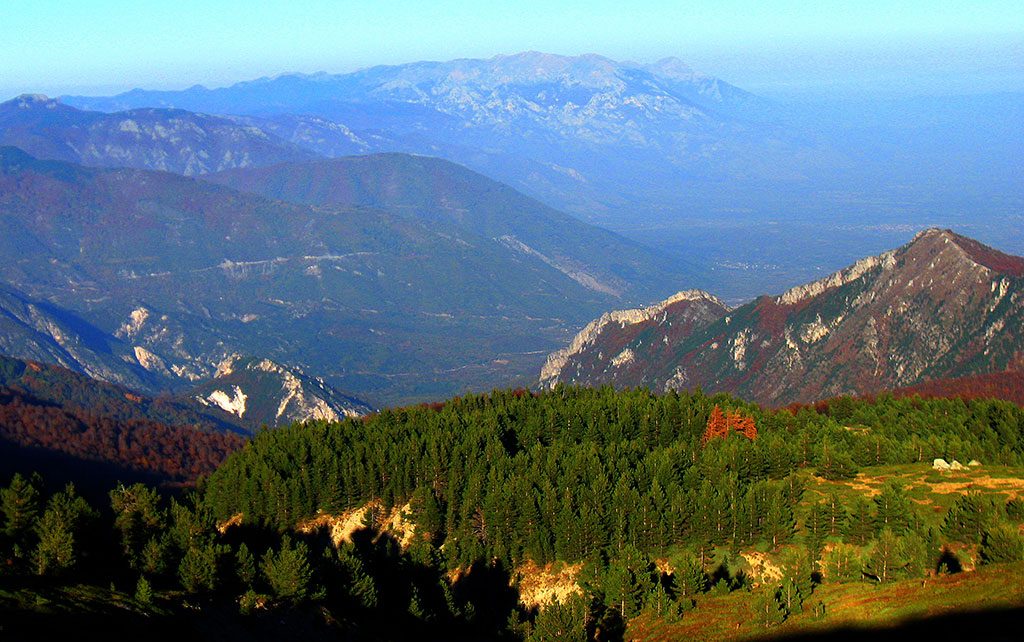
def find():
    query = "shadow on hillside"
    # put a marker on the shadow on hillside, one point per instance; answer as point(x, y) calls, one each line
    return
point(990, 625)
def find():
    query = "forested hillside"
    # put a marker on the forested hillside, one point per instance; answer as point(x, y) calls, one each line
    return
point(571, 514)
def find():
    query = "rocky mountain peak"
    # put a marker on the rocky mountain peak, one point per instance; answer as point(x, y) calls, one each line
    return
point(971, 250)
point(30, 101)
point(941, 306)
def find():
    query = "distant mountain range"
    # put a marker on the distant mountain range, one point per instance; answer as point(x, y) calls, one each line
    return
point(422, 280)
point(940, 307)
point(758, 196)
point(172, 140)
point(584, 133)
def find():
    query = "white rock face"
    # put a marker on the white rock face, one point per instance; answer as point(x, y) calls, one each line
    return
point(150, 361)
point(133, 325)
point(887, 261)
point(556, 361)
point(623, 358)
point(233, 404)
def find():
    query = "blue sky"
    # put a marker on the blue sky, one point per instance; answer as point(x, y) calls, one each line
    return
point(102, 46)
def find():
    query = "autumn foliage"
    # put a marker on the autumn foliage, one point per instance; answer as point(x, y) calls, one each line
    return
point(721, 424)
point(175, 453)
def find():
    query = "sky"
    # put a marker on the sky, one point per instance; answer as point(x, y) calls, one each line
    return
point(789, 46)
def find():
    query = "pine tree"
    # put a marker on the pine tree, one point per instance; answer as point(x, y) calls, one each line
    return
point(143, 592)
point(887, 557)
point(894, 510)
point(816, 526)
point(1002, 543)
point(834, 463)
point(198, 568)
point(835, 515)
point(19, 503)
point(842, 563)
point(153, 559)
point(287, 571)
point(137, 516)
point(416, 607)
point(690, 579)
point(860, 527)
point(557, 621)
point(717, 426)
point(360, 584)
point(1015, 510)
point(60, 530)
point(769, 607)
point(797, 583)
point(778, 519)
point(742, 424)
point(245, 566)
point(969, 517)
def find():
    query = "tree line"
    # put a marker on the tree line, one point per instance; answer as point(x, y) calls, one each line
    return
point(653, 494)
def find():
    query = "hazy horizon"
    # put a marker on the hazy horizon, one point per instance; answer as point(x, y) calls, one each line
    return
point(786, 49)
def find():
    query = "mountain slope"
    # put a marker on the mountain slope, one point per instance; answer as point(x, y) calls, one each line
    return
point(79, 393)
point(75, 428)
point(162, 139)
point(432, 189)
point(41, 331)
point(941, 306)
point(263, 393)
point(393, 305)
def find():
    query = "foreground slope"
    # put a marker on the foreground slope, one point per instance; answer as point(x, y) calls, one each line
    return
point(941, 306)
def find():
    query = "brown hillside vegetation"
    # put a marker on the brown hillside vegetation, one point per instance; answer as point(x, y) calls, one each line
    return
point(1008, 386)
point(175, 453)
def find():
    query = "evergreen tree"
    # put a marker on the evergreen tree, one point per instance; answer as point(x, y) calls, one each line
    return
point(143, 592)
point(19, 503)
point(360, 585)
point(769, 608)
point(842, 563)
point(1002, 543)
point(778, 519)
point(245, 566)
point(835, 515)
point(60, 531)
point(797, 584)
point(894, 510)
point(1015, 510)
point(860, 526)
point(557, 621)
point(626, 581)
point(198, 568)
point(153, 559)
point(834, 463)
point(816, 527)
point(887, 558)
point(690, 579)
point(287, 571)
point(969, 517)
point(137, 516)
